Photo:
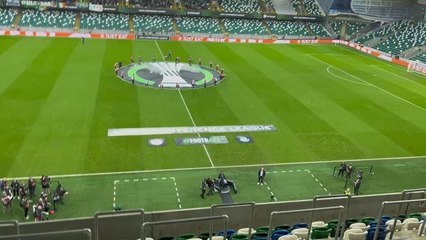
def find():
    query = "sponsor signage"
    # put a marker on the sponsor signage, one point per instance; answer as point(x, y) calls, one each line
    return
point(12, 3)
point(266, 16)
point(110, 9)
point(193, 13)
point(186, 130)
point(244, 139)
point(232, 15)
point(96, 7)
point(153, 37)
point(201, 140)
point(82, 5)
point(143, 10)
point(156, 142)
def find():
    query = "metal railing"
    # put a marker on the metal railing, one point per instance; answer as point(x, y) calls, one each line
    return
point(308, 210)
point(222, 206)
point(80, 234)
point(121, 213)
point(186, 220)
point(331, 198)
point(384, 204)
point(11, 223)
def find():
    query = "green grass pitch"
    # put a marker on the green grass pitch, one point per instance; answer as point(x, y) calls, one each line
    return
point(58, 98)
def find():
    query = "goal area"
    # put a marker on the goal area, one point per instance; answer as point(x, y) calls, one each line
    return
point(417, 67)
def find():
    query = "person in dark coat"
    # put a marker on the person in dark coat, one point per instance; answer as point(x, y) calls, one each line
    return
point(203, 188)
point(357, 184)
point(261, 176)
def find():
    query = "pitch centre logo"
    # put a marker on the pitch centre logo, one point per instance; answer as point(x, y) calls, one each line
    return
point(169, 75)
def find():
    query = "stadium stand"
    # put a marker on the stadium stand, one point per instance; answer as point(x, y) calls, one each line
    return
point(153, 25)
point(312, 7)
point(284, 29)
point(387, 30)
point(351, 28)
point(196, 4)
point(242, 6)
point(318, 29)
point(420, 57)
point(268, 7)
point(244, 26)
point(48, 19)
point(411, 36)
point(283, 7)
point(104, 21)
point(7, 16)
point(198, 25)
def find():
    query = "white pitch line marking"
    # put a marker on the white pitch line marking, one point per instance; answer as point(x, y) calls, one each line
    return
point(229, 166)
point(177, 192)
point(145, 179)
point(270, 192)
point(135, 180)
point(372, 85)
point(189, 113)
point(375, 66)
point(154, 179)
point(275, 171)
point(127, 180)
point(163, 178)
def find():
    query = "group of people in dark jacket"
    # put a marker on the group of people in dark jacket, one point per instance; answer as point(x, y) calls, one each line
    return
point(25, 193)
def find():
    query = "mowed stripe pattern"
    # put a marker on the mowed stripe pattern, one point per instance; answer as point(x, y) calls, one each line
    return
point(58, 98)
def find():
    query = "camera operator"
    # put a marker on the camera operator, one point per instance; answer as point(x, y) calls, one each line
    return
point(58, 196)
point(45, 184)
point(25, 204)
point(7, 202)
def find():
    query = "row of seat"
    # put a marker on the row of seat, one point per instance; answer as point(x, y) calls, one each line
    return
point(351, 28)
point(242, 6)
point(411, 36)
point(388, 30)
point(287, 28)
point(7, 16)
point(48, 19)
point(198, 25)
point(108, 21)
point(352, 229)
point(152, 23)
point(420, 57)
point(312, 7)
point(244, 26)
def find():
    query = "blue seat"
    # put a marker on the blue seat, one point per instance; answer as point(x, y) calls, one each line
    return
point(300, 225)
point(229, 233)
point(278, 233)
point(381, 236)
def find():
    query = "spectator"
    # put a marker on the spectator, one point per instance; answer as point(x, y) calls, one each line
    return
point(32, 187)
point(25, 204)
point(7, 203)
point(15, 188)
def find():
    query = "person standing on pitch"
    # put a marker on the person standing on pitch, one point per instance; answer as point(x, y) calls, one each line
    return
point(203, 188)
point(261, 176)
point(357, 184)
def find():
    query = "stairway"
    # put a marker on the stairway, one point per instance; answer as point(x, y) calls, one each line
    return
point(77, 23)
point(267, 29)
point(222, 26)
point(175, 27)
point(17, 19)
point(131, 25)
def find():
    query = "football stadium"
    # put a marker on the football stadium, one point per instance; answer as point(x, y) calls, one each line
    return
point(213, 119)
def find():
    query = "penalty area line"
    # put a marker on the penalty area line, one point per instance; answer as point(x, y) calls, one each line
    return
point(144, 180)
point(189, 113)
